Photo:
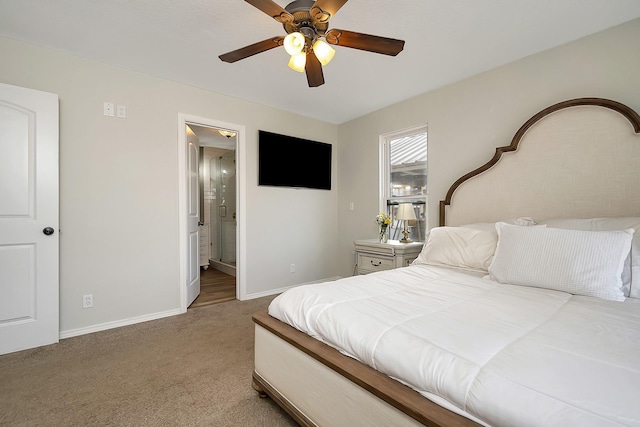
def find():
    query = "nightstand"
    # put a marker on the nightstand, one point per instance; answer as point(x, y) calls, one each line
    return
point(372, 256)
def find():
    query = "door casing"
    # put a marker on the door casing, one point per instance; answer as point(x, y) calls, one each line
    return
point(183, 235)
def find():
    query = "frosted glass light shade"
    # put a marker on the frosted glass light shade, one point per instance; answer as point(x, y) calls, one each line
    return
point(294, 43)
point(323, 51)
point(298, 62)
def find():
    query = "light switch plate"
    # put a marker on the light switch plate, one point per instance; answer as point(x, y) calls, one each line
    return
point(108, 109)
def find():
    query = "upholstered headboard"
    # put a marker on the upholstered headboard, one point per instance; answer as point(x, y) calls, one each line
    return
point(575, 159)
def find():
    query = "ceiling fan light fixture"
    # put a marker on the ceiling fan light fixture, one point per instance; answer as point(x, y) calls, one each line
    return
point(298, 62)
point(305, 22)
point(323, 51)
point(294, 43)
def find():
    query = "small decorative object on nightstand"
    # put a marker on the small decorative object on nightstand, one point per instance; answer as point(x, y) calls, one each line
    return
point(405, 213)
point(383, 221)
point(372, 256)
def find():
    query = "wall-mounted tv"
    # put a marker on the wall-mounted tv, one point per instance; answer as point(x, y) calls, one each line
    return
point(287, 161)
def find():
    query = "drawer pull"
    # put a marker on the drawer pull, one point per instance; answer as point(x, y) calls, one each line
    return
point(376, 264)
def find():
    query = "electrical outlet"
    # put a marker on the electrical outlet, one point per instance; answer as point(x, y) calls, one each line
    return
point(87, 301)
point(121, 111)
point(293, 268)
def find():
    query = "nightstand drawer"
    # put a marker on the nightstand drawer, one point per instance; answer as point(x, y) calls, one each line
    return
point(372, 255)
point(406, 262)
point(372, 263)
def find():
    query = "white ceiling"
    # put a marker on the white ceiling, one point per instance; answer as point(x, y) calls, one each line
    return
point(446, 41)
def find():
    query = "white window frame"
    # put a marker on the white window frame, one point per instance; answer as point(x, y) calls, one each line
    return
point(385, 168)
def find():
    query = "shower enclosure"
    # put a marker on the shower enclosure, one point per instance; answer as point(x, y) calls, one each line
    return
point(223, 211)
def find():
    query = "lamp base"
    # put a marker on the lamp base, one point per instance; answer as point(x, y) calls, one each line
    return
point(406, 238)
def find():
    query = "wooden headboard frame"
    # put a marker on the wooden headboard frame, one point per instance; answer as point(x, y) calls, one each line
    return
point(630, 115)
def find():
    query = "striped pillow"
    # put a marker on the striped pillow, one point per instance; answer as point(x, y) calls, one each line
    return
point(574, 261)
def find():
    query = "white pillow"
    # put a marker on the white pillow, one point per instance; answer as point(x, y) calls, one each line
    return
point(631, 271)
point(458, 247)
point(491, 226)
point(574, 261)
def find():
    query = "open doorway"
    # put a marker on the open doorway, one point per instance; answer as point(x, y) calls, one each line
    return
point(217, 214)
point(208, 227)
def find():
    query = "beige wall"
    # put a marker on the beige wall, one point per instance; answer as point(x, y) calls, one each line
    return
point(119, 210)
point(467, 120)
point(119, 189)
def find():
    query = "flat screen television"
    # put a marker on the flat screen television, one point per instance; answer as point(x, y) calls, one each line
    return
point(287, 161)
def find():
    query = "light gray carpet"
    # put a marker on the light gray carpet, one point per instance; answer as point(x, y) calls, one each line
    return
point(187, 370)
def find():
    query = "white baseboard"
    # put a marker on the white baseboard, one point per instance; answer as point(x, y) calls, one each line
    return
point(116, 324)
point(225, 268)
point(281, 290)
point(154, 316)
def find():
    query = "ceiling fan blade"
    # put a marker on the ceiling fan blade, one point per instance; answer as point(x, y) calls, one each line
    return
point(252, 49)
point(367, 42)
point(313, 68)
point(322, 10)
point(272, 9)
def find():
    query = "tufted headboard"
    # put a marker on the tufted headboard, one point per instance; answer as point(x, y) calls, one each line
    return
point(575, 159)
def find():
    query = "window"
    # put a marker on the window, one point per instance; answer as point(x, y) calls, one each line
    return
point(403, 179)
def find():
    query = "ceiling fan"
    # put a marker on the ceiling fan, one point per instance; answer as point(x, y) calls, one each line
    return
point(307, 23)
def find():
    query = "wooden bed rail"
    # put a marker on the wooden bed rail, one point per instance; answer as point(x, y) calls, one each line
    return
point(385, 388)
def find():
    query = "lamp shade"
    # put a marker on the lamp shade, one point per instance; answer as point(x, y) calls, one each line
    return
point(294, 43)
point(323, 51)
point(298, 62)
point(405, 212)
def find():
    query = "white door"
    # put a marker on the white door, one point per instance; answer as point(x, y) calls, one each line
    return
point(28, 218)
point(193, 217)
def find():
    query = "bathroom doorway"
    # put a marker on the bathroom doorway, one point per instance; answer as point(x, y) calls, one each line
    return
point(218, 213)
point(187, 185)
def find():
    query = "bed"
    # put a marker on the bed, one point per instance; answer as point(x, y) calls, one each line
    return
point(523, 307)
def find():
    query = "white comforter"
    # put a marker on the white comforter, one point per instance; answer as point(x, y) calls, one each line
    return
point(505, 355)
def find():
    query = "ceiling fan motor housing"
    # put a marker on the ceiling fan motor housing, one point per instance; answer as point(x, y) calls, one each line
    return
point(311, 23)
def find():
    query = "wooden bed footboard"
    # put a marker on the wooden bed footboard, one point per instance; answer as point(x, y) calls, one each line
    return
point(384, 388)
point(265, 390)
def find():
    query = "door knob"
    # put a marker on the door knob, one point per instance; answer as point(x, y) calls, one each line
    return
point(48, 231)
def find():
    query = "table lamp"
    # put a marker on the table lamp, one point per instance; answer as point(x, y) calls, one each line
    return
point(405, 213)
